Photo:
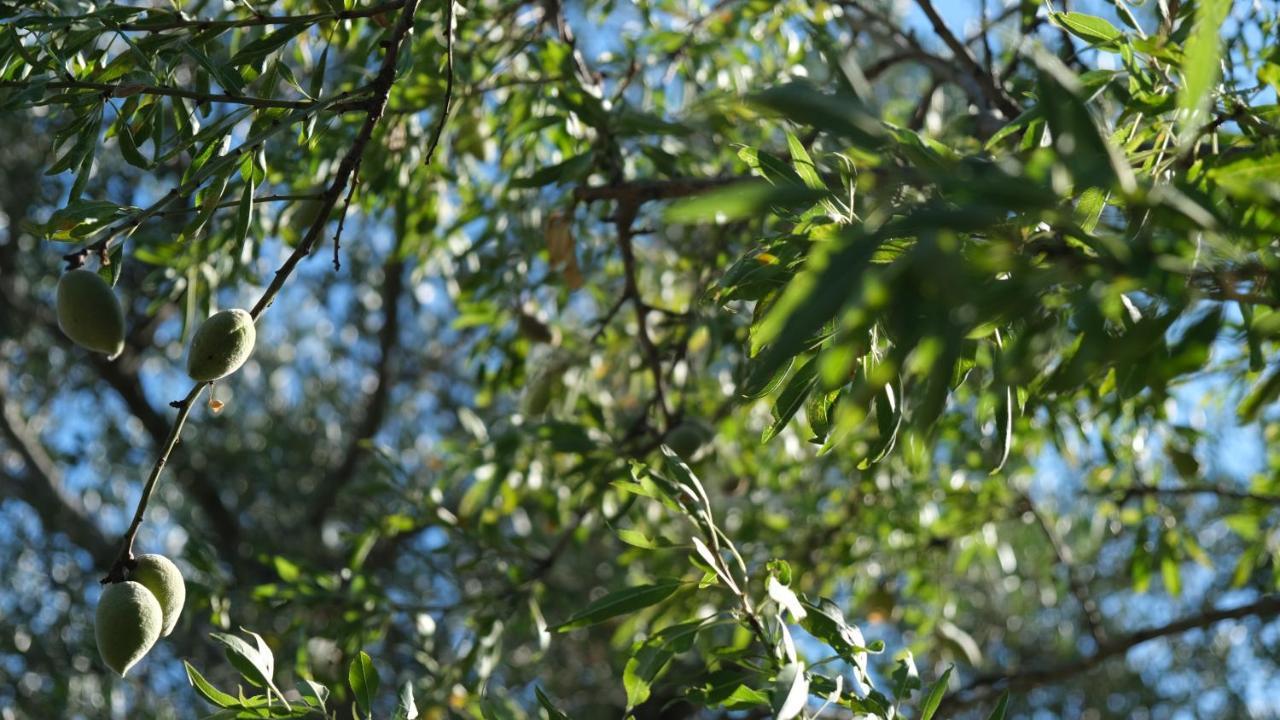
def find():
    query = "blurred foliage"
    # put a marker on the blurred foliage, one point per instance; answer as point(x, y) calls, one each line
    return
point(735, 359)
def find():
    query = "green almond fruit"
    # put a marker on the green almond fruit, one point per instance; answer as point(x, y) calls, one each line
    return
point(127, 625)
point(89, 312)
point(158, 574)
point(221, 345)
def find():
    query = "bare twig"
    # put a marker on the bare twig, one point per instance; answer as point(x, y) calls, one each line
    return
point(989, 83)
point(124, 558)
point(624, 217)
point(1093, 617)
point(449, 30)
point(349, 166)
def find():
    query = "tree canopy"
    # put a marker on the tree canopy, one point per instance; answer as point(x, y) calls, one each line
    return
point(731, 359)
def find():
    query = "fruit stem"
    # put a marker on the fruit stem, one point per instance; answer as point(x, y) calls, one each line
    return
point(124, 560)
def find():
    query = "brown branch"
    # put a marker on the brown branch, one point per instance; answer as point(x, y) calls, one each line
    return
point(43, 490)
point(989, 83)
point(376, 406)
point(122, 376)
point(350, 164)
point(1126, 494)
point(124, 558)
point(985, 688)
point(1062, 551)
point(624, 218)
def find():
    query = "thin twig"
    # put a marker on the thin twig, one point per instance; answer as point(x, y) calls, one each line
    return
point(985, 80)
point(380, 87)
point(624, 217)
point(1092, 616)
point(124, 559)
point(449, 30)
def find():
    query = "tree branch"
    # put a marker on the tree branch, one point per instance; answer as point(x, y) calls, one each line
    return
point(985, 688)
point(1126, 494)
point(989, 83)
point(624, 218)
point(350, 164)
point(376, 406)
point(1093, 617)
point(43, 490)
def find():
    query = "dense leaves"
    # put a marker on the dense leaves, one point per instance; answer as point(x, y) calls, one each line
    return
point(660, 359)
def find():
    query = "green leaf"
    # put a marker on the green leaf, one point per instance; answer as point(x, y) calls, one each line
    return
point(1249, 174)
point(207, 690)
point(790, 691)
point(643, 667)
point(255, 51)
point(1004, 428)
point(1001, 708)
point(792, 398)
point(570, 170)
point(748, 200)
point(620, 602)
point(406, 708)
point(934, 698)
point(906, 678)
point(1200, 65)
point(1259, 397)
point(364, 682)
point(842, 115)
point(553, 712)
point(1089, 28)
point(1093, 161)
point(314, 693)
point(244, 216)
point(803, 164)
point(251, 662)
point(833, 273)
point(889, 413)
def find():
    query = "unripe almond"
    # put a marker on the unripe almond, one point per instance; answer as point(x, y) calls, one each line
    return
point(158, 574)
point(127, 624)
point(221, 345)
point(89, 312)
